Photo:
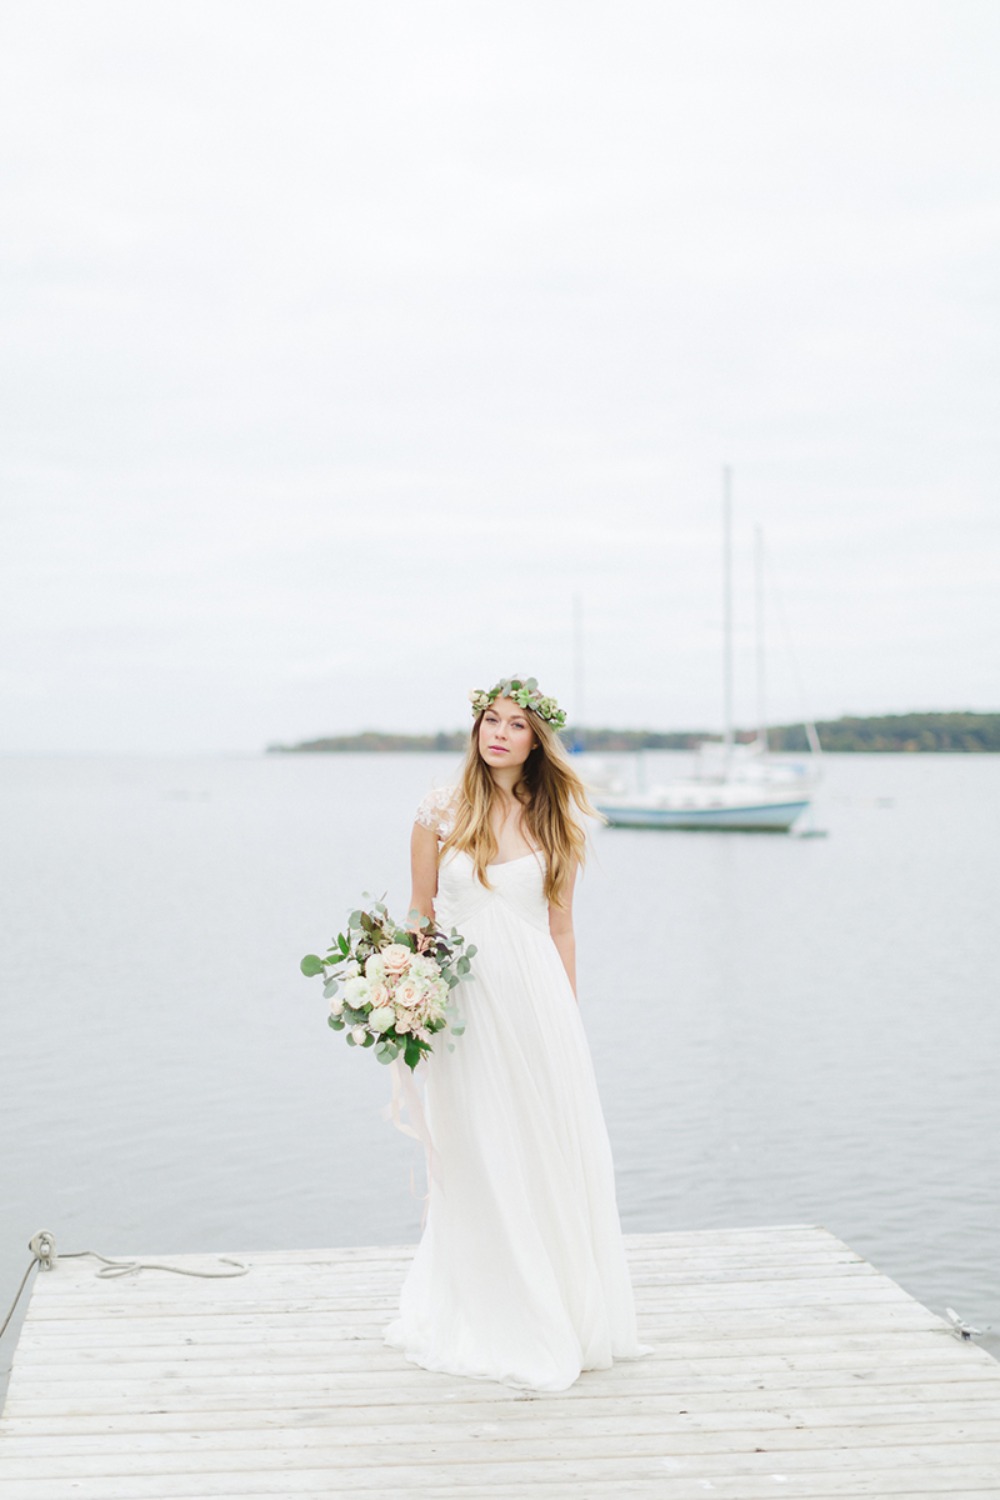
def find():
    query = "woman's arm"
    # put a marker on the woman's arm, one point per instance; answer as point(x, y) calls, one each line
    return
point(561, 928)
point(423, 870)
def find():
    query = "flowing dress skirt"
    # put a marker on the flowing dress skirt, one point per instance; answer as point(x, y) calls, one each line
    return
point(520, 1275)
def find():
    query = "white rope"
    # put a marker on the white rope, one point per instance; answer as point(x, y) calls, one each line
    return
point(112, 1268)
point(43, 1255)
point(17, 1297)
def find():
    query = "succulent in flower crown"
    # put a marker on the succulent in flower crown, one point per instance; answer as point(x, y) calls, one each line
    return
point(524, 692)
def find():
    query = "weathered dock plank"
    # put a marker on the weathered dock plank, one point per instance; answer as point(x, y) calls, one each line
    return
point(782, 1364)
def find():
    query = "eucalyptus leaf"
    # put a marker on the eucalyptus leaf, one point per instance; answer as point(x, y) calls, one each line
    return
point(335, 1023)
point(412, 1053)
point(330, 989)
point(311, 965)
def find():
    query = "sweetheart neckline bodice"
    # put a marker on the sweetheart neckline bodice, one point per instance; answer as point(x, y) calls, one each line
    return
point(501, 863)
point(498, 864)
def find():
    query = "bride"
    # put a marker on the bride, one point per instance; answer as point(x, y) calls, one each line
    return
point(520, 1275)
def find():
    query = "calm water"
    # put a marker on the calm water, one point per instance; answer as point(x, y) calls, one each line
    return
point(785, 1030)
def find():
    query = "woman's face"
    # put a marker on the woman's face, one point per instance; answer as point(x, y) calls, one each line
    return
point(505, 736)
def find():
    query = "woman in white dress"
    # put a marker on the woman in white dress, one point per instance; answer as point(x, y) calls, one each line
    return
point(520, 1275)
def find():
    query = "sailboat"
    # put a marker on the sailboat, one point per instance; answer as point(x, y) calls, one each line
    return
point(737, 787)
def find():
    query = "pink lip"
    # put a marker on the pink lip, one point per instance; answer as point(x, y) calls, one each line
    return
point(502, 749)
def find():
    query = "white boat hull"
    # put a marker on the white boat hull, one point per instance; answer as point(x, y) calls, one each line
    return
point(752, 816)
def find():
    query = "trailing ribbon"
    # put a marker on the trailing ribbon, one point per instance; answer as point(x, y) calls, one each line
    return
point(406, 1095)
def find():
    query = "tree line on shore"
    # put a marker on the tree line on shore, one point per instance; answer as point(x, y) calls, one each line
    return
point(916, 732)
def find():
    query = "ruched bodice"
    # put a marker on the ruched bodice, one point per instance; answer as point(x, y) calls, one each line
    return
point(517, 884)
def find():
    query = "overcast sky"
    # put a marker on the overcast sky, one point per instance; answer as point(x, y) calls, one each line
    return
point(343, 345)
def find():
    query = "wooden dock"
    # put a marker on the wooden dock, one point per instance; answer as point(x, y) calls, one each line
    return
point(783, 1365)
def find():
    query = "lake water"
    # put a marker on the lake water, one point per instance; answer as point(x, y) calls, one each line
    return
point(785, 1030)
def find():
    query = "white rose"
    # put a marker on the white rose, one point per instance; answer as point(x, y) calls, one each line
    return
point(381, 1018)
point(357, 992)
point(359, 1033)
point(336, 1006)
point(396, 958)
point(375, 968)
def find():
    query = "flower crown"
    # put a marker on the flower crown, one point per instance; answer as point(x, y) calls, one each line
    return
point(524, 692)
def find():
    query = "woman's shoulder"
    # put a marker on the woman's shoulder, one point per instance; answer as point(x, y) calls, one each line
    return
point(437, 810)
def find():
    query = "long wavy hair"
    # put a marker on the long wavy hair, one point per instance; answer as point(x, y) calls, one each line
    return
point(550, 793)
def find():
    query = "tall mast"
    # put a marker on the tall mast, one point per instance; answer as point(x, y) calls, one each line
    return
point(578, 711)
point(759, 601)
point(727, 619)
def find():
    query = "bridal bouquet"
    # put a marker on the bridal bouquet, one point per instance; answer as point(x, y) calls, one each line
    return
point(390, 987)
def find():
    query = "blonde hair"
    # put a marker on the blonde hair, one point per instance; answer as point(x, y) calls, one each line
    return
point(549, 791)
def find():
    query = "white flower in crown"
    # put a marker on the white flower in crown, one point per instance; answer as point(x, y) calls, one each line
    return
point(381, 1018)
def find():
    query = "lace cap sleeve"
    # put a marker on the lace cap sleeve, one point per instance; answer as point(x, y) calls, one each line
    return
point(435, 811)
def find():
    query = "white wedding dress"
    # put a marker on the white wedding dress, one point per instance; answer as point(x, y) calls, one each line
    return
point(520, 1275)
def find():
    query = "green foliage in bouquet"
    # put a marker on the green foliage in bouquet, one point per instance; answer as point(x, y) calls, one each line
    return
point(390, 987)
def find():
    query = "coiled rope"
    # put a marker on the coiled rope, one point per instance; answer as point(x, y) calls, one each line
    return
point(43, 1255)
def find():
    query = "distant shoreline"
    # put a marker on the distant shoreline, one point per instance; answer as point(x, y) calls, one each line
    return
point(923, 733)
